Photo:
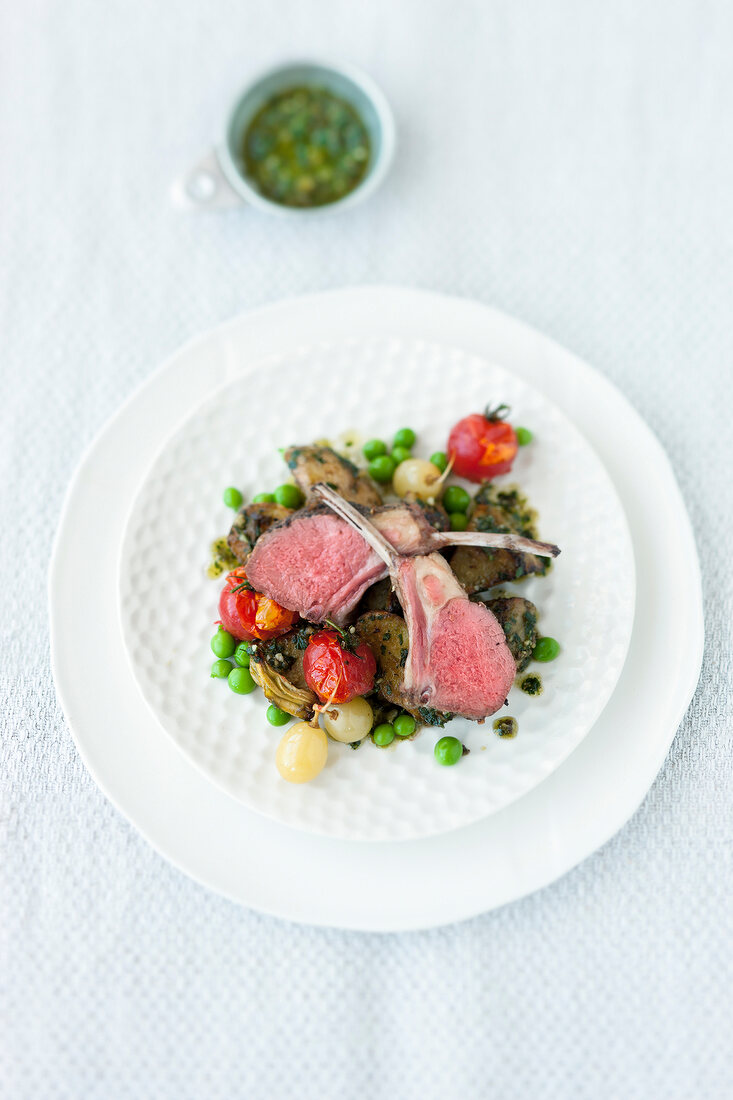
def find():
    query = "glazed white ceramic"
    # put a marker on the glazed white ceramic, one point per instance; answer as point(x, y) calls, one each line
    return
point(373, 386)
point(376, 887)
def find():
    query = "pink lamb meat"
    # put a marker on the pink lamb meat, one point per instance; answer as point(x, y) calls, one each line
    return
point(458, 660)
point(319, 565)
point(315, 564)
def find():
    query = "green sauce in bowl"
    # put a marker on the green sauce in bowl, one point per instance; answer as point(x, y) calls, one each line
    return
point(306, 147)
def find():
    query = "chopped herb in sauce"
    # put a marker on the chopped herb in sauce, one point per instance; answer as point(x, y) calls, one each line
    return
point(306, 147)
point(223, 559)
point(506, 727)
point(531, 685)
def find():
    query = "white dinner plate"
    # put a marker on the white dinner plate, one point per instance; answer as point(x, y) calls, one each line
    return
point(373, 886)
point(372, 385)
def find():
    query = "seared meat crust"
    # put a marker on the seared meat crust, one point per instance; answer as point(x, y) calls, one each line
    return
point(250, 522)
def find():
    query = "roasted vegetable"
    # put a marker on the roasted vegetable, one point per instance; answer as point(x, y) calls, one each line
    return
point(296, 701)
point(419, 478)
point(338, 667)
point(482, 445)
point(309, 465)
point(249, 615)
point(249, 524)
point(497, 510)
point(386, 636)
point(349, 722)
point(518, 618)
point(519, 515)
point(285, 655)
point(302, 753)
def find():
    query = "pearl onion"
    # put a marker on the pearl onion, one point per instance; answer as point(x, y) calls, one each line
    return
point(350, 721)
point(302, 753)
point(417, 475)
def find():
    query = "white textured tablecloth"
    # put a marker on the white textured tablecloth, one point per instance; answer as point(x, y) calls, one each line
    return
point(569, 162)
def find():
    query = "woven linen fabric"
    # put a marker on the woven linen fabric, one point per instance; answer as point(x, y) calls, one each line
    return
point(568, 162)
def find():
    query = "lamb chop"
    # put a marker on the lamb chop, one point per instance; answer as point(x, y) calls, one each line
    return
point(315, 563)
point(379, 608)
point(320, 565)
point(458, 660)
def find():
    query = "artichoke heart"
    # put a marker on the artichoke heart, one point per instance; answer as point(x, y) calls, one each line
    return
point(281, 692)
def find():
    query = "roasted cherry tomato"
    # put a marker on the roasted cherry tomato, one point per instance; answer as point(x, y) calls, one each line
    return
point(336, 670)
point(249, 615)
point(483, 446)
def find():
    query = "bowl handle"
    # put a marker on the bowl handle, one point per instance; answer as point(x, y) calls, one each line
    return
point(205, 185)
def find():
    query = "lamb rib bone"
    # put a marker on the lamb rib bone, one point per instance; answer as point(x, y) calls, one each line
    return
point(409, 532)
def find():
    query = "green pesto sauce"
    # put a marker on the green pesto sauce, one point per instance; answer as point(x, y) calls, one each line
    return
point(531, 685)
point(306, 147)
point(506, 727)
point(222, 559)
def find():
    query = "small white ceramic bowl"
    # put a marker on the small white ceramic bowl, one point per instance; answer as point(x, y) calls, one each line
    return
point(219, 181)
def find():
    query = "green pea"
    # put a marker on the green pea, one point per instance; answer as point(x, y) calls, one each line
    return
point(289, 496)
point(405, 437)
point(264, 498)
point(374, 447)
point(220, 670)
point(458, 521)
point(546, 649)
point(240, 681)
point(456, 499)
point(382, 467)
point(524, 436)
point(404, 725)
point(223, 644)
point(241, 655)
point(399, 454)
point(277, 717)
point(448, 750)
point(232, 497)
point(439, 459)
point(383, 735)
